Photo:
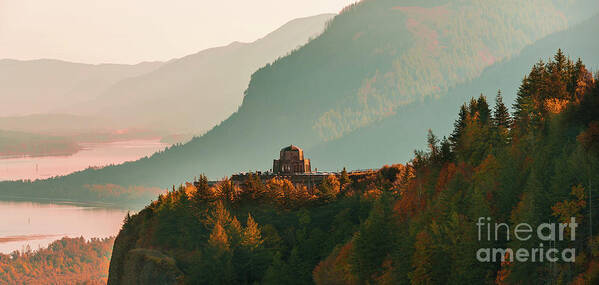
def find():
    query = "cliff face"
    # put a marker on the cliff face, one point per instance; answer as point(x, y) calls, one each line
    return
point(147, 266)
point(132, 265)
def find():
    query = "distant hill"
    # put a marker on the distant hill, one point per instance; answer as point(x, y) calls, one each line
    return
point(194, 93)
point(187, 95)
point(78, 128)
point(18, 144)
point(375, 59)
point(364, 92)
point(393, 139)
point(54, 123)
point(44, 85)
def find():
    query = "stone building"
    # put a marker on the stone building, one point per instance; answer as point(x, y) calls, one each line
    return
point(291, 160)
point(292, 166)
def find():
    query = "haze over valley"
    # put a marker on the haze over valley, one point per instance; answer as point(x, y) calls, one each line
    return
point(72, 104)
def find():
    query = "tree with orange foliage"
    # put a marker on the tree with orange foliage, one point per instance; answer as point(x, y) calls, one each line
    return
point(329, 188)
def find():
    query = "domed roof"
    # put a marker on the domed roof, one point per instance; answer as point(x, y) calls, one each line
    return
point(291, 148)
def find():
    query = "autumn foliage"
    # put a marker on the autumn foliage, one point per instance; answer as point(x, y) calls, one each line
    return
point(65, 261)
point(412, 223)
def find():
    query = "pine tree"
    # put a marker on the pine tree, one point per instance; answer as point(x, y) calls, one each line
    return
point(218, 238)
point(473, 107)
point(373, 241)
point(482, 107)
point(529, 100)
point(560, 61)
point(555, 84)
point(523, 105)
point(218, 215)
point(433, 144)
point(252, 237)
point(235, 232)
point(580, 82)
point(502, 122)
point(501, 115)
point(344, 178)
point(227, 190)
point(423, 259)
point(127, 221)
point(253, 188)
point(203, 192)
point(458, 127)
point(446, 154)
point(330, 187)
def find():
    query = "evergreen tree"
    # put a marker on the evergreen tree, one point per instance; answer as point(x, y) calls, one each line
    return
point(203, 192)
point(446, 154)
point(423, 260)
point(482, 107)
point(219, 238)
point(372, 242)
point(344, 178)
point(433, 145)
point(523, 106)
point(501, 115)
point(252, 238)
point(227, 190)
point(458, 127)
point(502, 121)
point(253, 188)
point(580, 82)
point(561, 62)
point(555, 83)
point(218, 215)
point(330, 187)
point(529, 101)
point(235, 232)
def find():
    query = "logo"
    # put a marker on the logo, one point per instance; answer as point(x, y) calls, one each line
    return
point(550, 233)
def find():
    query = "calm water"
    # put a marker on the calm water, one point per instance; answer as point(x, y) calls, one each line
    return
point(37, 224)
point(92, 155)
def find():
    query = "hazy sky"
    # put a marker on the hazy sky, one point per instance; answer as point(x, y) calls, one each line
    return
point(130, 31)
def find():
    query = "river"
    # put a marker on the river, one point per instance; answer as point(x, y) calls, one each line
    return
point(38, 224)
point(95, 155)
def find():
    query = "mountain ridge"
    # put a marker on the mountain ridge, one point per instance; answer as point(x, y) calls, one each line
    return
point(283, 108)
point(439, 115)
point(58, 81)
point(185, 83)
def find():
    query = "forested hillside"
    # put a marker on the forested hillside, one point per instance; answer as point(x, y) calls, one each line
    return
point(403, 130)
point(374, 57)
point(405, 224)
point(65, 261)
point(374, 71)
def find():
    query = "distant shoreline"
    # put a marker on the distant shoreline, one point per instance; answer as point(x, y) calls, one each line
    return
point(27, 237)
point(42, 200)
point(15, 144)
point(90, 155)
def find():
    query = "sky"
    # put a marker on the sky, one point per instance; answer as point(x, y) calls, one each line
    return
point(132, 31)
